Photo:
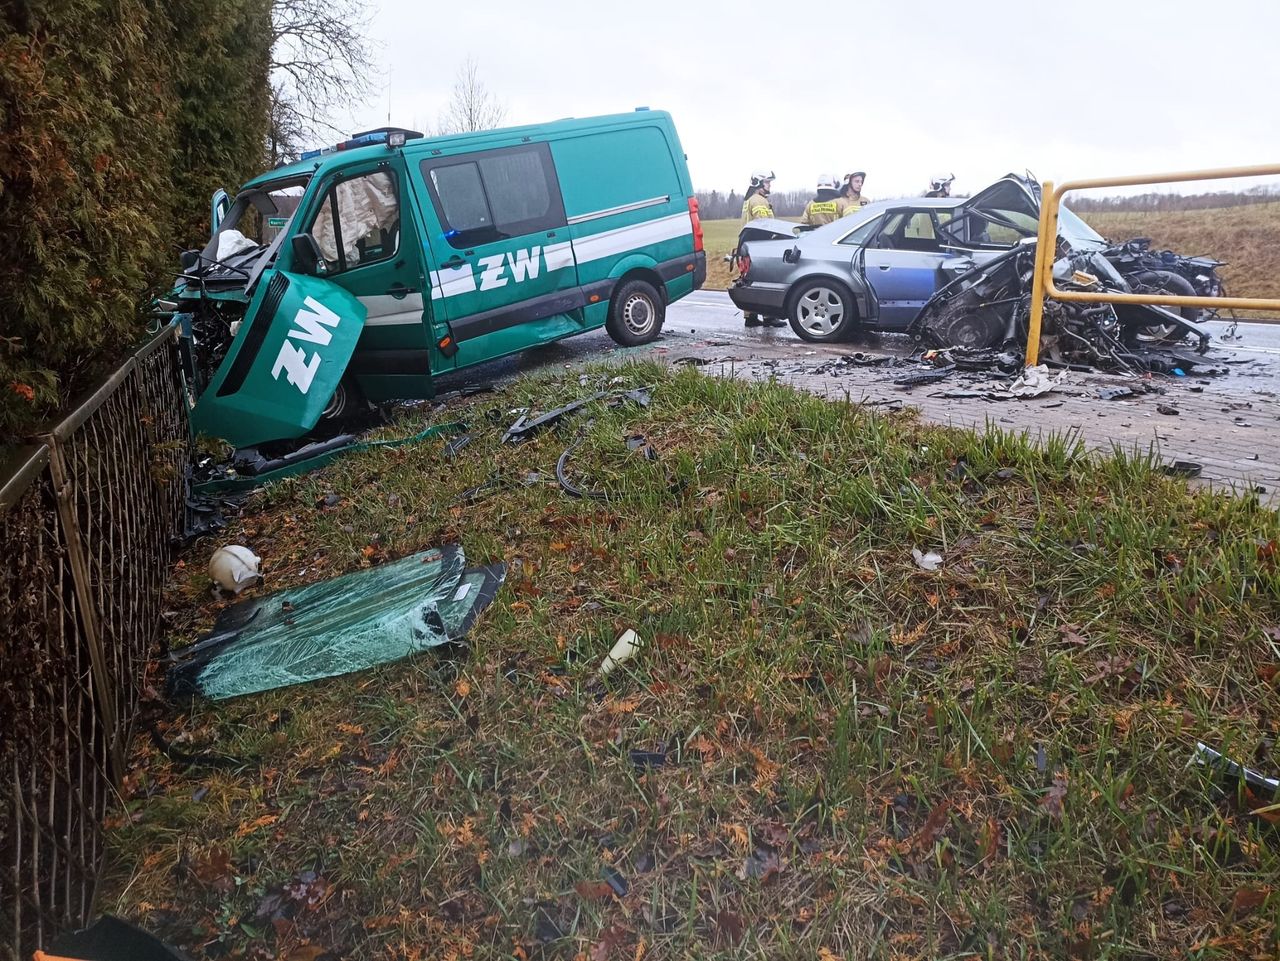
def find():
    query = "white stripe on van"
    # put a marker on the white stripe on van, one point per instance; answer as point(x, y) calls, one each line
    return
point(610, 242)
point(385, 310)
point(558, 256)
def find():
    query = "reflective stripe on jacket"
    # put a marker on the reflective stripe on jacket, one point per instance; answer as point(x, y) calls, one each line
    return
point(755, 207)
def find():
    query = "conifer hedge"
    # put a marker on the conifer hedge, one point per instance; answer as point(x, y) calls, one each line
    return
point(118, 118)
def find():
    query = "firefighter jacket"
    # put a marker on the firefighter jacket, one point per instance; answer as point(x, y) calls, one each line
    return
point(755, 207)
point(823, 209)
point(851, 205)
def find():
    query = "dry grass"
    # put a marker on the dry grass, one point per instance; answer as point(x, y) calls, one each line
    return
point(862, 759)
point(1247, 237)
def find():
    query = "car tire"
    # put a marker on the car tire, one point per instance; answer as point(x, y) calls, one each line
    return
point(821, 310)
point(347, 399)
point(1163, 282)
point(636, 313)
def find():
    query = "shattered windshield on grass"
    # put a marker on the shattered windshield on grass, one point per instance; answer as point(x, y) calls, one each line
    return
point(339, 626)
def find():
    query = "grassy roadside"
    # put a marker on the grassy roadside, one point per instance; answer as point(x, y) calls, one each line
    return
point(862, 758)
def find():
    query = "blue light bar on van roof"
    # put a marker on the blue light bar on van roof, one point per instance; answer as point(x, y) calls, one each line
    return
point(393, 136)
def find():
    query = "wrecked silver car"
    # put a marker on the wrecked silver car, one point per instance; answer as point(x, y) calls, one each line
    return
point(952, 271)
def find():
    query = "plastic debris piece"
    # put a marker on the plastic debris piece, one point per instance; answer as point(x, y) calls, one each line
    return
point(624, 647)
point(338, 626)
point(110, 939)
point(930, 561)
point(452, 448)
point(1183, 468)
point(647, 759)
point(615, 880)
point(1168, 409)
point(1208, 757)
point(234, 567)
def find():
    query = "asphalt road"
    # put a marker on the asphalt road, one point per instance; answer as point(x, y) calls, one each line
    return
point(709, 318)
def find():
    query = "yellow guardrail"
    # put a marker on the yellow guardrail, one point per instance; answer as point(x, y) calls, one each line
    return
point(1042, 284)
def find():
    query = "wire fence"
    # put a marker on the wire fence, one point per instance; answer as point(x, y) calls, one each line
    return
point(87, 520)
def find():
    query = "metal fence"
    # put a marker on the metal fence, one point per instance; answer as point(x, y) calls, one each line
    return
point(87, 518)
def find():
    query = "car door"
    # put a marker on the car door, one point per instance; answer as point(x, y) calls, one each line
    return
point(503, 273)
point(994, 219)
point(363, 228)
point(903, 266)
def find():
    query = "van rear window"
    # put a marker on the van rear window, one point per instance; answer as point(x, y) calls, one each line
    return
point(495, 194)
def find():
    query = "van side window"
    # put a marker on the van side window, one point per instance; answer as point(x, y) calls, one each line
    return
point(495, 194)
point(359, 222)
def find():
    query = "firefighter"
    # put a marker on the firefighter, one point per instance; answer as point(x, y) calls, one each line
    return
point(824, 208)
point(754, 207)
point(756, 204)
point(940, 185)
point(851, 200)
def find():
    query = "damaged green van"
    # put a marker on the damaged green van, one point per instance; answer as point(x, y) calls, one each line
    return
point(363, 271)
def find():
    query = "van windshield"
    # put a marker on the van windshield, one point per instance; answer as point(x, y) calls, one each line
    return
point(260, 213)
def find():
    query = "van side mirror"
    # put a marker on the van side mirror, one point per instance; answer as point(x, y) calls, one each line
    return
point(306, 254)
point(188, 259)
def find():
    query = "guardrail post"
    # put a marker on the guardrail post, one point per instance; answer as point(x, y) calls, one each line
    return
point(88, 613)
point(1044, 251)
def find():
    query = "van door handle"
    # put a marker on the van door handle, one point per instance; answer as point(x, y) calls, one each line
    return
point(884, 266)
point(400, 291)
point(453, 263)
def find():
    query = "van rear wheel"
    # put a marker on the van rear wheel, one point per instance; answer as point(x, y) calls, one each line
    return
point(636, 313)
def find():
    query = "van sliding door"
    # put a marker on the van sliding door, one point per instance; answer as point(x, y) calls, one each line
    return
point(501, 266)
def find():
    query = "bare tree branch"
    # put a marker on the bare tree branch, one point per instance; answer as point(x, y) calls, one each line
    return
point(471, 105)
point(321, 58)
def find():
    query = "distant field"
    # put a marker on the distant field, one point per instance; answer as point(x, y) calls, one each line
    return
point(1247, 237)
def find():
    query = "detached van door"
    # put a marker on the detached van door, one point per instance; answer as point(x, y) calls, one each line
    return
point(501, 269)
point(362, 224)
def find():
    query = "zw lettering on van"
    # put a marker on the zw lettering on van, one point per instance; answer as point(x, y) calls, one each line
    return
point(310, 325)
point(498, 270)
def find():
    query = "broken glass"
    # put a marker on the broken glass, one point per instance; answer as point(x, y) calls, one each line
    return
point(339, 626)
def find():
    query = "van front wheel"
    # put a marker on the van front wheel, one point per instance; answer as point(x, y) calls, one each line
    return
point(636, 313)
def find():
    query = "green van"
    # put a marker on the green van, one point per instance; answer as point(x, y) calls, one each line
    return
point(364, 270)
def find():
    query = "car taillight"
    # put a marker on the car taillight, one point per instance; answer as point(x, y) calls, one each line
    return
point(744, 264)
point(697, 224)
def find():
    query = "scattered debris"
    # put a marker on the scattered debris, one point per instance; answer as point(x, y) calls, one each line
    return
point(1208, 757)
point(930, 561)
point(562, 477)
point(338, 626)
point(617, 883)
point(924, 377)
point(624, 647)
point(234, 567)
point(110, 939)
point(454, 446)
point(1183, 468)
point(524, 427)
point(1114, 393)
point(1168, 409)
point(648, 759)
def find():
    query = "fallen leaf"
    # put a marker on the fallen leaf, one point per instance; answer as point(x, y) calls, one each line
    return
point(990, 840)
point(593, 890)
point(215, 870)
point(729, 927)
point(462, 688)
point(350, 729)
point(610, 939)
point(934, 827)
point(1054, 798)
point(248, 827)
point(929, 561)
point(306, 952)
point(826, 954)
point(1247, 900)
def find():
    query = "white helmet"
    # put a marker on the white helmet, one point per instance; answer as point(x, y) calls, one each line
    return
point(233, 568)
point(826, 182)
point(941, 180)
point(760, 177)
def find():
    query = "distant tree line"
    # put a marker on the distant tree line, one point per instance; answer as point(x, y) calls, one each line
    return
point(1262, 194)
point(714, 205)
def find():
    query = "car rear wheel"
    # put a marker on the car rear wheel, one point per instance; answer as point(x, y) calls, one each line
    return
point(636, 313)
point(821, 311)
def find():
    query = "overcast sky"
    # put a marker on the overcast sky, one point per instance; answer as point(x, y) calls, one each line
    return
point(902, 89)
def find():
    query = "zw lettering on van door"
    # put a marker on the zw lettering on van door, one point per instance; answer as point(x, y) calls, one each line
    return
point(498, 270)
point(310, 325)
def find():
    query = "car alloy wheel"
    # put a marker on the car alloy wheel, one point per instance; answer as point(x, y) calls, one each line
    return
point(820, 311)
